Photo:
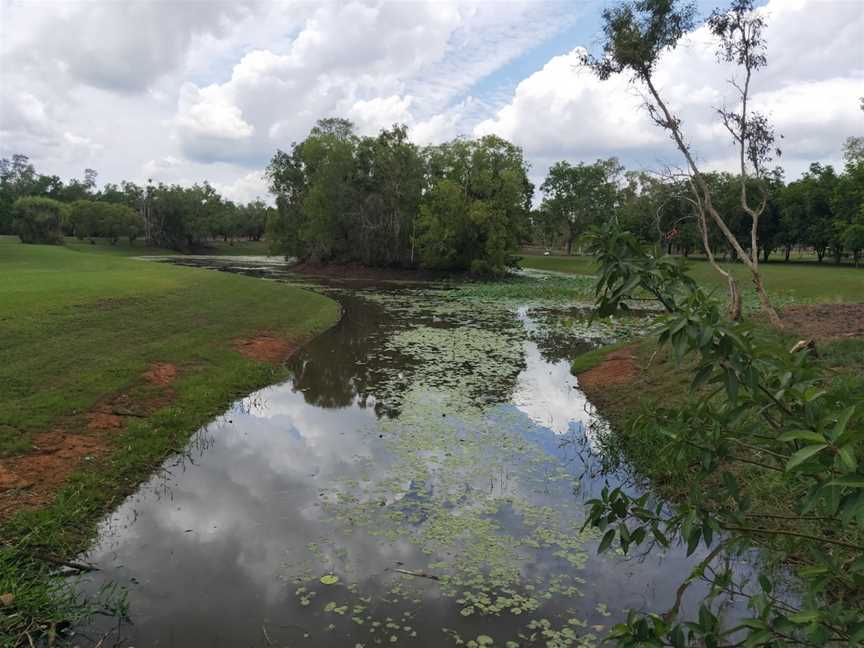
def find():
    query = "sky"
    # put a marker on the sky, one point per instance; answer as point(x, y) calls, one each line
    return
point(188, 90)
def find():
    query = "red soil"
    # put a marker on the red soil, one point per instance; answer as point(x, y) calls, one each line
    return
point(617, 368)
point(32, 479)
point(265, 348)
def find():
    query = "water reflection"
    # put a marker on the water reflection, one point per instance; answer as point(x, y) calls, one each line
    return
point(387, 468)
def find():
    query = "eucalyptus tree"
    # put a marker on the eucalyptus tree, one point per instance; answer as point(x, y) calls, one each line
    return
point(637, 34)
point(582, 195)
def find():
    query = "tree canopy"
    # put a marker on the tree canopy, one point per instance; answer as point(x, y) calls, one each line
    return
point(384, 201)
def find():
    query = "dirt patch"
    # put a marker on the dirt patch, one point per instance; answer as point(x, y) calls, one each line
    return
point(161, 373)
point(824, 320)
point(103, 421)
point(358, 272)
point(618, 368)
point(32, 479)
point(265, 348)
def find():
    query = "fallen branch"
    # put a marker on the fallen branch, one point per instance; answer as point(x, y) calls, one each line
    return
point(415, 574)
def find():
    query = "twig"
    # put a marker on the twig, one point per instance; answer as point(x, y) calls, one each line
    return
point(416, 574)
point(266, 636)
point(698, 570)
point(805, 536)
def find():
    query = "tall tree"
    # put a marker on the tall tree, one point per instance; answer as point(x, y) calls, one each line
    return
point(637, 34)
point(582, 195)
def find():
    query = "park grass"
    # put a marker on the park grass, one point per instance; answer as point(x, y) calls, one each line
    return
point(804, 281)
point(81, 323)
point(76, 326)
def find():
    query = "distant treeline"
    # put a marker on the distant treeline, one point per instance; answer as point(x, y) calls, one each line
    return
point(464, 205)
point(44, 209)
point(822, 211)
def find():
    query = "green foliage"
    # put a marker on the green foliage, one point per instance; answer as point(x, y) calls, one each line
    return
point(96, 218)
point(475, 213)
point(766, 408)
point(853, 239)
point(580, 196)
point(38, 220)
point(382, 201)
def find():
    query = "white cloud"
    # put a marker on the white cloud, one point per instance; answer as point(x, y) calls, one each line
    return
point(246, 188)
point(809, 90)
point(182, 90)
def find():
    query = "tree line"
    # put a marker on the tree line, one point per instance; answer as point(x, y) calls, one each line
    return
point(384, 201)
point(822, 211)
point(43, 209)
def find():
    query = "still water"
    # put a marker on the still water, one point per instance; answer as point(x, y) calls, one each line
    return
point(419, 481)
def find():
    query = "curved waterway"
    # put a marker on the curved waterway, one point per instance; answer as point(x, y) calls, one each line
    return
point(419, 481)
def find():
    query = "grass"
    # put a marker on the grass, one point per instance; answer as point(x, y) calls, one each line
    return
point(79, 323)
point(805, 280)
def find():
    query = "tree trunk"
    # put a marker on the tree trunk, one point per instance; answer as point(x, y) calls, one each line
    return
point(734, 292)
point(788, 251)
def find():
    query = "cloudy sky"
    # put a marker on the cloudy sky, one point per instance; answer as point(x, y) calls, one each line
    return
point(186, 90)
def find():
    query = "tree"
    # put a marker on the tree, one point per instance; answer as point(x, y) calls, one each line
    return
point(18, 178)
point(38, 220)
point(853, 239)
point(580, 196)
point(382, 201)
point(475, 214)
point(636, 35)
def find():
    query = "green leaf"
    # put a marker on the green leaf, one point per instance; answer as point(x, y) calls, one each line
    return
point(842, 422)
point(852, 481)
point(802, 435)
point(807, 616)
point(606, 541)
point(847, 457)
point(329, 579)
point(804, 454)
point(731, 382)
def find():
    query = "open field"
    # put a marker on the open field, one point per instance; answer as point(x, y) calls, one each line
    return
point(807, 281)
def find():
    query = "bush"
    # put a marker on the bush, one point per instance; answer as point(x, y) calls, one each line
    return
point(38, 220)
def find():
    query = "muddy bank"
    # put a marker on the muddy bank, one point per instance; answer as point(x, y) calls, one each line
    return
point(32, 480)
point(825, 321)
point(358, 272)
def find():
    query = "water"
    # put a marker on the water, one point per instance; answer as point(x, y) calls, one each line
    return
point(418, 481)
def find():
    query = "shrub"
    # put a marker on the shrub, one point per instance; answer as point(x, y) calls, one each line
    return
point(38, 220)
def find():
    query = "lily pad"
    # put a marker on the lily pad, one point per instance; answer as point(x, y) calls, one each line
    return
point(329, 579)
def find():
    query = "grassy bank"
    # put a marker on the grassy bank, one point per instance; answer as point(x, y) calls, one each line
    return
point(805, 280)
point(82, 324)
point(642, 409)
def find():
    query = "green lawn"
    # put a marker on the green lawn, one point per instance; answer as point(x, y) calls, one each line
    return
point(77, 324)
point(808, 281)
point(80, 323)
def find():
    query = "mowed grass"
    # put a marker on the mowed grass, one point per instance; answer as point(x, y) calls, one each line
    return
point(78, 325)
point(804, 280)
